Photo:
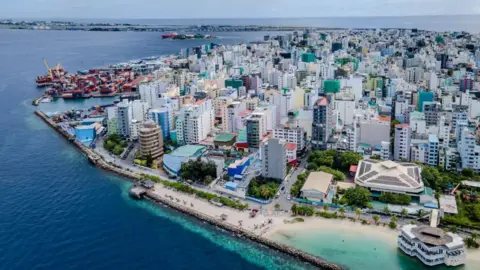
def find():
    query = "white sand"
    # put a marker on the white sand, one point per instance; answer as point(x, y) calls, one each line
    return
point(371, 231)
point(278, 225)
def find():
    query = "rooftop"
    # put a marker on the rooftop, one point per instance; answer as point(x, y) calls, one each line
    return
point(389, 175)
point(430, 235)
point(188, 151)
point(319, 181)
point(291, 146)
point(224, 137)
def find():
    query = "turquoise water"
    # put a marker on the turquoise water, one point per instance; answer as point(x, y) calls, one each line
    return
point(354, 251)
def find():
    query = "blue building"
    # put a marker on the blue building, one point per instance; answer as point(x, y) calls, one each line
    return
point(163, 117)
point(424, 97)
point(432, 158)
point(85, 134)
point(238, 167)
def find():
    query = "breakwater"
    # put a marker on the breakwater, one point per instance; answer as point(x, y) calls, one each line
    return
point(95, 159)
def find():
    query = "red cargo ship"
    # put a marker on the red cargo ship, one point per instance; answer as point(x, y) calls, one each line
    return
point(172, 35)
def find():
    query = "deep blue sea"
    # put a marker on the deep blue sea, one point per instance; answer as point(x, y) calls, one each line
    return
point(59, 212)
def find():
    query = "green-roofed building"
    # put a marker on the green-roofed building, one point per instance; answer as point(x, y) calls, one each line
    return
point(234, 83)
point(308, 57)
point(331, 86)
point(225, 139)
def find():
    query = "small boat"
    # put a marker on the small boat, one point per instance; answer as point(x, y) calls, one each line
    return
point(46, 100)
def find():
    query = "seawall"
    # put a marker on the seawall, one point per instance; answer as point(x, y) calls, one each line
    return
point(100, 163)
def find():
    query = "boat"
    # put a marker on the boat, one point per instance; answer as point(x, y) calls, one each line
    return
point(171, 35)
point(46, 100)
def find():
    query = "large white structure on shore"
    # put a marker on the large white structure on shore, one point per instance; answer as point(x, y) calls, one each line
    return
point(432, 246)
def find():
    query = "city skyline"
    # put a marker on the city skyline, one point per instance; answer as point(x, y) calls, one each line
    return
point(149, 9)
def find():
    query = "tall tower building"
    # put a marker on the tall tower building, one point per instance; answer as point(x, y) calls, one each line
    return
point(403, 134)
point(322, 123)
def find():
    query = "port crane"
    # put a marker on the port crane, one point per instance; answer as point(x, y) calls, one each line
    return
point(53, 72)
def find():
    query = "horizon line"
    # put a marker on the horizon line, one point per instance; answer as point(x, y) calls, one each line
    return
point(239, 18)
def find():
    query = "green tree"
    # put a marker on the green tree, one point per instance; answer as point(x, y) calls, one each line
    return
point(386, 210)
point(358, 196)
point(394, 219)
point(294, 209)
point(325, 207)
point(149, 159)
point(358, 212)
point(420, 213)
point(377, 157)
point(342, 210)
point(404, 212)
point(468, 172)
point(277, 206)
point(376, 218)
point(392, 128)
point(312, 166)
point(350, 158)
point(208, 180)
point(392, 225)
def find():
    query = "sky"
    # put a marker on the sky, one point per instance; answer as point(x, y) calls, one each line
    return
point(163, 9)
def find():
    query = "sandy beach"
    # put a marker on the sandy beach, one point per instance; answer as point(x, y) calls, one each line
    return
point(347, 227)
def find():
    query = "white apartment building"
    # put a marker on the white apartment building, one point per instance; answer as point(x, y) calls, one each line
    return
point(344, 104)
point(385, 151)
point(353, 136)
point(234, 119)
point(220, 105)
point(444, 129)
point(469, 150)
point(195, 122)
point(432, 245)
point(134, 127)
point(140, 110)
point(417, 122)
point(291, 132)
point(401, 148)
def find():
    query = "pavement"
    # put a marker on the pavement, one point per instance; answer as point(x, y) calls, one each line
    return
point(282, 199)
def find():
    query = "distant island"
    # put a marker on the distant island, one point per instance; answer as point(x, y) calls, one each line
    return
point(123, 27)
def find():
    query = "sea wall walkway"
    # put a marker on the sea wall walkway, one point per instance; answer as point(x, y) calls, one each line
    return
point(99, 162)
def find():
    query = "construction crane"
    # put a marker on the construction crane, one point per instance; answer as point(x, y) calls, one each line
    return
point(48, 68)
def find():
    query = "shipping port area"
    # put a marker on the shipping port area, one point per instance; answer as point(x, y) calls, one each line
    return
point(117, 79)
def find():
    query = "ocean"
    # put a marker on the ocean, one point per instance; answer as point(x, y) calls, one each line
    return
point(59, 212)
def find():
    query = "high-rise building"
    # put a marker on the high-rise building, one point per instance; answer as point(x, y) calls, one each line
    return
point(431, 109)
point(163, 117)
point(220, 105)
point(322, 123)
point(401, 150)
point(256, 128)
point(195, 122)
point(433, 150)
point(385, 151)
point(151, 140)
point(274, 159)
point(124, 118)
point(469, 150)
point(291, 132)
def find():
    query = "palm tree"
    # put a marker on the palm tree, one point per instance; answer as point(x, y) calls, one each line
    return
point(342, 210)
point(420, 213)
point(294, 209)
point(386, 210)
point(358, 212)
point(265, 192)
point(394, 219)
point(404, 212)
point(325, 207)
point(376, 218)
point(475, 235)
point(277, 206)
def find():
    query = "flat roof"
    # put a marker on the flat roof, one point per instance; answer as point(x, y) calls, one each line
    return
point(448, 204)
point(291, 146)
point(432, 236)
point(471, 183)
point(187, 150)
point(319, 181)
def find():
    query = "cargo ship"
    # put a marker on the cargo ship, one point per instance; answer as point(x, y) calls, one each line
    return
point(167, 36)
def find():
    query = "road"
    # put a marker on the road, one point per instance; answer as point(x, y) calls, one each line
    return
point(282, 200)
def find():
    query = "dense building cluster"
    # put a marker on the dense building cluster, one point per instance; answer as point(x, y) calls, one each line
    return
point(404, 95)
